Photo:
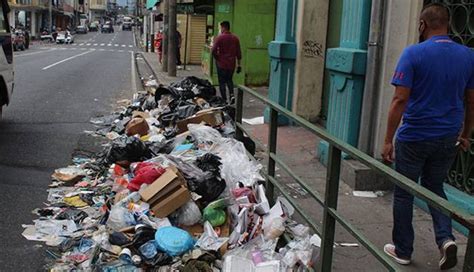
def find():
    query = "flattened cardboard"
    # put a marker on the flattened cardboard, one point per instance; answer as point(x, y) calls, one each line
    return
point(171, 202)
point(164, 180)
point(210, 117)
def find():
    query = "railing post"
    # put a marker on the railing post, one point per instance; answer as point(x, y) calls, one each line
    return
point(329, 223)
point(469, 256)
point(272, 143)
point(238, 113)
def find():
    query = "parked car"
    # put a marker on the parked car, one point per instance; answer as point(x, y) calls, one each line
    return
point(81, 29)
point(65, 37)
point(18, 38)
point(94, 27)
point(6, 57)
point(107, 28)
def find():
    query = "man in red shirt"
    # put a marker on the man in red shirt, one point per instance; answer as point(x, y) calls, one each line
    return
point(226, 51)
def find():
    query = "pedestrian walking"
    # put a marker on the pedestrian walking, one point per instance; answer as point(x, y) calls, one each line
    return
point(159, 45)
point(434, 92)
point(226, 51)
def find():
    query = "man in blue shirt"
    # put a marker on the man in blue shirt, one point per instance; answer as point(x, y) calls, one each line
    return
point(434, 84)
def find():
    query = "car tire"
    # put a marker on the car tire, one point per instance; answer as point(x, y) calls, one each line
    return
point(1, 113)
point(22, 48)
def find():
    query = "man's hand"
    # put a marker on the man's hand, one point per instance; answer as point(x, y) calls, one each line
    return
point(239, 69)
point(387, 152)
point(464, 143)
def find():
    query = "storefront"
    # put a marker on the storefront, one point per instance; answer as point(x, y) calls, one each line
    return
point(255, 26)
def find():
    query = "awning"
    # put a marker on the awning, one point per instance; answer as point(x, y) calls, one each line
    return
point(151, 3)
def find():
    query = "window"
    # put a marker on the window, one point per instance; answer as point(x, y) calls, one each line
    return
point(462, 20)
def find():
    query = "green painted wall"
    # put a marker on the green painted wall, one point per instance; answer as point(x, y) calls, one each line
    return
point(255, 26)
point(333, 39)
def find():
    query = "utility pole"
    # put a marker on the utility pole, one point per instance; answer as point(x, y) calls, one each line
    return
point(172, 46)
point(164, 40)
point(50, 7)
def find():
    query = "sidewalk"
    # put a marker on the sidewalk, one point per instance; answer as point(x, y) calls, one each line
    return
point(372, 216)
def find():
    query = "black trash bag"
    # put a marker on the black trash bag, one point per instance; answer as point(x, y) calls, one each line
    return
point(142, 235)
point(126, 148)
point(186, 111)
point(168, 119)
point(73, 214)
point(229, 113)
point(162, 147)
point(200, 87)
point(202, 264)
point(149, 103)
point(217, 102)
point(119, 239)
point(119, 127)
point(210, 188)
point(160, 259)
point(210, 163)
point(162, 90)
point(170, 133)
point(249, 145)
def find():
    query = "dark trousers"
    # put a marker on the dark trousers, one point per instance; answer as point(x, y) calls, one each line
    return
point(225, 79)
point(429, 162)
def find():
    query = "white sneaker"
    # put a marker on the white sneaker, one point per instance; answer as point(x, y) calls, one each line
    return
point(449, 257)
point(389, 249)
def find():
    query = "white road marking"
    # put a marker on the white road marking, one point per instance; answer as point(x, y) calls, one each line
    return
point(119, 50)
point(116, 45)
point(83, 49)
point(123, 45)
point(95, 44)
point(88, 44)
point(102, 44)
point(64, 60)
point(109, 44)
point(81, 44)
point(130, 45)
point(102, 49)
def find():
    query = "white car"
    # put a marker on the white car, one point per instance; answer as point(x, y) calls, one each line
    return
point(6, 57)
point(65, 37)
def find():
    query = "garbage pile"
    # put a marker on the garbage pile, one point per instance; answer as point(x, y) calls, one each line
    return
point(171, 191)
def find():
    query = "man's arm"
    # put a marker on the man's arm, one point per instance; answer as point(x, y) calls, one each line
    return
point(468, 120)
point(239, 53)
point(397, 107)
point(215, 47)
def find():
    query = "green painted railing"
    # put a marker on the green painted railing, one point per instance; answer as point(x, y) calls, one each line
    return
point(461, 174)
point(330, 199)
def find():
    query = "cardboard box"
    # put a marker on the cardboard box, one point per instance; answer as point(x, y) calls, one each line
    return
point(166, 194)
point(211, 117)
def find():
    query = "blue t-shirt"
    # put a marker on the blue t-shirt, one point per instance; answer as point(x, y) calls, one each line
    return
point(438, 71)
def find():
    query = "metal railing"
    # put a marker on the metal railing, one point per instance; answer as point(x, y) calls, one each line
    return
point(329, 202)
point(461, 174)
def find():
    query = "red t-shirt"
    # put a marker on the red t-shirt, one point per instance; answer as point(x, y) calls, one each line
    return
point(226, 50)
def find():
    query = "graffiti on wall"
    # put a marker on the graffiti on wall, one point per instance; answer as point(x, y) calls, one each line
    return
point(312, 49)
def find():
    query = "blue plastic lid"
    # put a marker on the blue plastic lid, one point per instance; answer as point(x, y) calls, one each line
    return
point(174, 241)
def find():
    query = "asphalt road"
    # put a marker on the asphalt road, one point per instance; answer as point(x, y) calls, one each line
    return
point(58, 88)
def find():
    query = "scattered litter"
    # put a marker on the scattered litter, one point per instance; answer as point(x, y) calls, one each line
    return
point(254, 121)
point(171, 189)
point(368, 194)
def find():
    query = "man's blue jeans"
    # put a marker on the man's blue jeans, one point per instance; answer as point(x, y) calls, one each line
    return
point(429, 162)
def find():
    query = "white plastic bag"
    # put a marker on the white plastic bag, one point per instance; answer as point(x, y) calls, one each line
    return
point(188, 215)
point(120, 218)
point(209, 239)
